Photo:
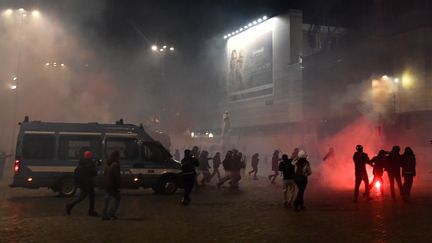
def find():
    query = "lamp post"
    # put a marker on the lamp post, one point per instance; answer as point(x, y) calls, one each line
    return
point(22, 14)
point(162, 51)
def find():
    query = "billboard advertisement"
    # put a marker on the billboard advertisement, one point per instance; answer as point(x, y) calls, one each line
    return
point(250, 63)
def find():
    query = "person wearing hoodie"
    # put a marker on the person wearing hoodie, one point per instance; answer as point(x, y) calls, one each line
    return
point(360, 159)
point(84, 174)
point(188, 165)
point(408, 171)
point(112, 186)
point(393, 170)
point(302, 170)
point(379, 163)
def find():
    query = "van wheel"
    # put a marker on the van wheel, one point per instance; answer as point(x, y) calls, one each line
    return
point(67, 187)
point(167, 185)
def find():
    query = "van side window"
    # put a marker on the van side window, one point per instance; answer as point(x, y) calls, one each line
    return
point(70, 146)
point(152, 152)
point(128, 147)
point(39, 146)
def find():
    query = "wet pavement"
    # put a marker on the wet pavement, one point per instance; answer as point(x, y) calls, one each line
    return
point(254, 213)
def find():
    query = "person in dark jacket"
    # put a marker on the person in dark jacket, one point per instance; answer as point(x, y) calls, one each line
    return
point(379, 163)
point(188, 165)
point(408, 171)
point(393, 170)
point(227, 163)
point(84, 174)
point(216, 164)
point(288, 172)
point(204, 167)
point(275, 167)
point(360, 160)
point(236, 166)
point(112, 186)
point(254, 165)
point(302, 170)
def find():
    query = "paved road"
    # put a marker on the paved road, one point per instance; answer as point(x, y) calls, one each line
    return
point(252, 214)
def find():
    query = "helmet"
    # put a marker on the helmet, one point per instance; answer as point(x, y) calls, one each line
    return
point(359, 148)
point(88, 154)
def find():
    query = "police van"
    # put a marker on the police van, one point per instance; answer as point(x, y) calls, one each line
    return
point(47, 154)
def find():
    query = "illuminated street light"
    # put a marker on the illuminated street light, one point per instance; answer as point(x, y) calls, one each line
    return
point(62, 65)
point(264, 17)
point(13, 87)
point(21, 10)
point(254, 22)
point(164, 47)
point(154, 47)
point(161, 49)
point(385, 77)
point(396, 80)
point(14, 78)
point(8, 12)
point(171, 48)
point(35, 13)
point(47, 64)
point(225, 36)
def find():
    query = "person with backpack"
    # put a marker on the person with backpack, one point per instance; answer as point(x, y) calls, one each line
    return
point(302, 170)
point(112, 186)
point(288, 180)
point(84, 174)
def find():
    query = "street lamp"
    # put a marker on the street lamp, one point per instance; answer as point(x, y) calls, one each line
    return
point(163, 52)
point(22, 14)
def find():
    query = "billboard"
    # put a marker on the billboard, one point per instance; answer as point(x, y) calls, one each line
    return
point(250, 63)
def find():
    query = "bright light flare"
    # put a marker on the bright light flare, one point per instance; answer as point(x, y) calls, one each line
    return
point(135, 179)
point(164, 47)
point(21, 10)
point(8, 12)
point(385, 77)
point(192, 134)
point(47, 64)
point(13, 87)
point(14, 78)
point(378, 185)
point(161, 49)
point(396, 80)
point(210, 135)
point(154, 47)
point(29, 179)
point(375, 83)
point(35, 13)
point(171, 48)
point(62, 65)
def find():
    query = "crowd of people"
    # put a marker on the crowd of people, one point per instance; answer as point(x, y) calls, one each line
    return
point(389, 161)
point(295, 169)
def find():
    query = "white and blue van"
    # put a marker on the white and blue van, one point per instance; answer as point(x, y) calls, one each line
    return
point(47, 154)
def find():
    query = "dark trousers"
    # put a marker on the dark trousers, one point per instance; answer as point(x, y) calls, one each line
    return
point(358, 180)
point(301, 185)
point(254, 171)
point(188, 183)
point(86, 191)
point(392, 178)
point(408, 181)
